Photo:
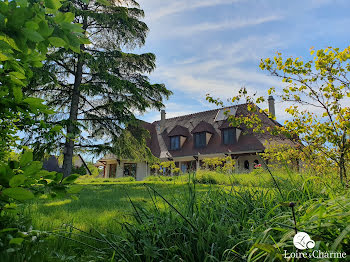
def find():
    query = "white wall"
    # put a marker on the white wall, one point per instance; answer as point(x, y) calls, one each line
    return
point(142, 169)
point(240, 162)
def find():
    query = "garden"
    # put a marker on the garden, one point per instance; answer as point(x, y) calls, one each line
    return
point(70, 85)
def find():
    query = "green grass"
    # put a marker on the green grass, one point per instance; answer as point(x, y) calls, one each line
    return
point(100, 206)
point(219, 217)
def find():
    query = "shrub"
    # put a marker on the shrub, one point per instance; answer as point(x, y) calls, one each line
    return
point(87, 179)
point(79, 170)
point(212, 177)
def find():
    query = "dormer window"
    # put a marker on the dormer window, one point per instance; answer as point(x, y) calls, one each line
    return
point(178, 136)
point(175, 143)
point(229, 136)
point(200, 139)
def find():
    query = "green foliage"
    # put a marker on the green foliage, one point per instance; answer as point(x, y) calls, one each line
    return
point(223, 164)
point(210, 177)
point(22, 180)
point(25, 30)
point(79, 170)
point(320, 114)
point(94, 170)
point(99, 90)
point(165, 168)
point(87, 179)
point(319, 83)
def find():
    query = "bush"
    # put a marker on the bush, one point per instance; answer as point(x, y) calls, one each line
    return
point(212, 177)
point(179, 178)
point(159, 178)
point(87, 179)
point(79, 170)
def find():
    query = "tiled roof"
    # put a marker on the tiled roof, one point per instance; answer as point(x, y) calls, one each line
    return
point(203, 121)
point(203, 127)
point(179, 131)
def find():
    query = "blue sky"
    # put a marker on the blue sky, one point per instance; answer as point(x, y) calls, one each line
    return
point(215, 46)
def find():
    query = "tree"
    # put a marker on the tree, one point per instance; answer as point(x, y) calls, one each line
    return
point(27, 30)
point(319, 91)
point(98, 91)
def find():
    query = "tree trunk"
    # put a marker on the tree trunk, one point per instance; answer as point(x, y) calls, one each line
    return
point(342, 166)
point(342, 169)
point(73, 115)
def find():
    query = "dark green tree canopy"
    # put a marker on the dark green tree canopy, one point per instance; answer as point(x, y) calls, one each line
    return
point(98, 91)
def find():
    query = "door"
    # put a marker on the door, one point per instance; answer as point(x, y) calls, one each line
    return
point(112, 170)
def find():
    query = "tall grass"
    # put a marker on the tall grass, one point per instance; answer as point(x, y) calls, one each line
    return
point(232, 223)
point(239, 217)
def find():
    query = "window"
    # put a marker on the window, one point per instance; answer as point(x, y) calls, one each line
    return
point(174, 143)
point(246, 165)
point(130, 169)
point(229, 136)
point(200, 139)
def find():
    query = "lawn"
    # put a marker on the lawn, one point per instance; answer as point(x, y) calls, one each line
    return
point(104, 205)
point(215, 217)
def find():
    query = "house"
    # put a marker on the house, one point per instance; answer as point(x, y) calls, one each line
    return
point(188, 139)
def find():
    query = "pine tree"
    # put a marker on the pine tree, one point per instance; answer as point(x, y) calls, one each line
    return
point(98, 90)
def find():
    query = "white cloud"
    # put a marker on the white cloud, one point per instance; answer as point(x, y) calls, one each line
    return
point(224, 25)
point(220, 72)
point(167, 9)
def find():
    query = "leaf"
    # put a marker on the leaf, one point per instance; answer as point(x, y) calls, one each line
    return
point(74, 189)
point(69, 17)
point(3, 57)
point(56, 128)
point(26, 157)
point(17, 180)
point(44, 29)
point(41, 173)
point(58, 177)
point(340, 238)
point(9, 229)
point(57, 42)
point(74, 197)
point(71, 27)
point(34, 103)
point(50, 175)
point(16, 240)
point(11, 206)
point(53, 4)
point(17, 93)
point(33, 168)
point(19, 75)
point(15, 80)
point(70, 179)
point(32, 35)
point(18, 193)
point(11, 42)
point(32, 25)
point(84, 40)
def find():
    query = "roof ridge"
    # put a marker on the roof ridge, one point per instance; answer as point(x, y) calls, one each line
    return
point(200, 112)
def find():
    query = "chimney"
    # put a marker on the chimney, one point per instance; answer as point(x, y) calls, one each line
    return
point(162, 119)
point(272, 106)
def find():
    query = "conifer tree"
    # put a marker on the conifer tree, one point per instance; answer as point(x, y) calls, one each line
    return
point(97, 91)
